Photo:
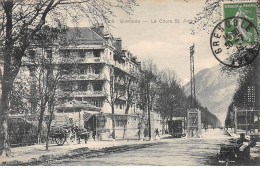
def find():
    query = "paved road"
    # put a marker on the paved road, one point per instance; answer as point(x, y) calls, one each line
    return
point(181, 151)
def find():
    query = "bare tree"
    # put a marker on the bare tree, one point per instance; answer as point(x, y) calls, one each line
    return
point(48, 67)
point(148, 86)
point(21, 20)
point(114, 94)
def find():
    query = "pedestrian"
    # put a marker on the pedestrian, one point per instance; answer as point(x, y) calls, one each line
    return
point(243, 151)
point(157, 132)
point(145, 132)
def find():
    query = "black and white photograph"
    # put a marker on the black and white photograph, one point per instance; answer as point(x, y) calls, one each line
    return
point(129, 83)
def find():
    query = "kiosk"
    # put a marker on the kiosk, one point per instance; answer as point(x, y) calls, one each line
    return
point(193, 123)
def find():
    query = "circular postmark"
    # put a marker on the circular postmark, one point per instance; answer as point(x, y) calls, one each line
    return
point(234, 42)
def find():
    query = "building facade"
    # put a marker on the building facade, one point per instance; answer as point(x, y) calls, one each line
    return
point(99, 86)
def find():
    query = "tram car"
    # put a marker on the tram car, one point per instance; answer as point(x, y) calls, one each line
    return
point(176, 127)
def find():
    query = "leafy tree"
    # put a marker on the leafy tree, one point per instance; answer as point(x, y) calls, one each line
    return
point(171, 101)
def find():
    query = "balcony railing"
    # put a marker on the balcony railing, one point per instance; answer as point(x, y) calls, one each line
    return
point(87, 93)
point(61, 60)
point(125, 69)
point(84, 77)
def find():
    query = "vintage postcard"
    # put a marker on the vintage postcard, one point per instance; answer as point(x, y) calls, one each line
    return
point(129, 83)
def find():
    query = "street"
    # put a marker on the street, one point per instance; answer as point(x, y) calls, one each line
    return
point(174, 151)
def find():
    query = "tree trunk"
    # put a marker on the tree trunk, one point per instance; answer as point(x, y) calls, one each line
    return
point(148, 109)
point(7, 85)
point(4, 140)
point(113, 123)
point(129, 97)
point(6, 90)
point(48, 126)
point(39, 130)
point(48, 133)
point(112, 103)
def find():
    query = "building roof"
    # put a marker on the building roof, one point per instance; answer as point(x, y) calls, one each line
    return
point(83, 36)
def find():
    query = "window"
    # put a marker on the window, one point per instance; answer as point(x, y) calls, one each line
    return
point(97, 87)
point(82, 70)
point(66, 69)
point(82, 53)
point(82, 86)
point(60, 111)
point(49, 54)
point(74, 86)
point(32, 54)
point(65, 86)
point(85, 99)
point(78, 98)
point(70, 99)
point(65, 53)
point(96, 53)
point(97, 70)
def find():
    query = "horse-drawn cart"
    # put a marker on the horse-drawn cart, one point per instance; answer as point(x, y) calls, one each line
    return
point(61, 134)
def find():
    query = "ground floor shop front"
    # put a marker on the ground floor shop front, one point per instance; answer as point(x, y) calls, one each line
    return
point(121, 127)
point(105, 126)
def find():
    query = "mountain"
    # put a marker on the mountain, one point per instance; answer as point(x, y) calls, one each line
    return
point(214, 90)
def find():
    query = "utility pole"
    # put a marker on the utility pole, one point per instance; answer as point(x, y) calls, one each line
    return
point(193, 114)
point(192, 77)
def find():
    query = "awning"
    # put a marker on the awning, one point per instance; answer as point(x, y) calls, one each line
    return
point(89, 114)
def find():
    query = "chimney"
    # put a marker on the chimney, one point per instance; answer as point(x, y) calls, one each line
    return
point(99, 29)
point(118, 44)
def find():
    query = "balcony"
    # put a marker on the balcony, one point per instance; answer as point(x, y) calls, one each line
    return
point(84, 77)
point(121, 67)
point(87, 93)
point(73, 60)
point(127, 70)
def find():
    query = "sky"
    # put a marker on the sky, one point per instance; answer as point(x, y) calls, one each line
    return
point(160, 38)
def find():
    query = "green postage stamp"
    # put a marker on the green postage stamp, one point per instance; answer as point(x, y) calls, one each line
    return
point(241, 29)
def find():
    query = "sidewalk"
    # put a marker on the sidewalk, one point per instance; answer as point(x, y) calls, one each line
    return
point(30, 155)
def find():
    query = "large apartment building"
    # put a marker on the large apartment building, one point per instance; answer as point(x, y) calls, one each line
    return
point(99, 85)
